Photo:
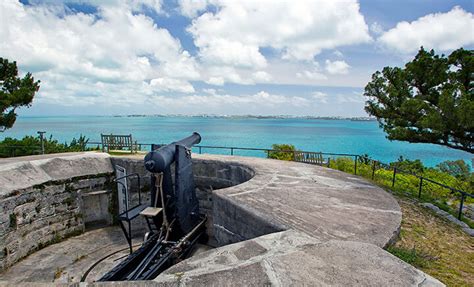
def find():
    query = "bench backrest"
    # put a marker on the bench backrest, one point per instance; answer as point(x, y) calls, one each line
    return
point(116, 142)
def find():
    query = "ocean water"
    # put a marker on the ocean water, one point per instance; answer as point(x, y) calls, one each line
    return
point(335, 136)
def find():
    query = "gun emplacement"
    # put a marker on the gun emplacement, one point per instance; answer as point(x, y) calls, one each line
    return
point(174, 222)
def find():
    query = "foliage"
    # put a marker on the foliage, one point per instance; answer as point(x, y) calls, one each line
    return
point(15, 92)
point(30, 145)
point(428, 101)
point(364, 159)
point(410, 256)
point(282, 152)
point(457, 168)
point(414, 166)
point(407, 184)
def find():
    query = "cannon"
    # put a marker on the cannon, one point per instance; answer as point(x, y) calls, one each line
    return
point(174, 222)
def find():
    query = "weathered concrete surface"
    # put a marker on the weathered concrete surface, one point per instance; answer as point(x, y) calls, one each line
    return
point(22, 174)
point(41, 200)
point(335, 222)
point(324, 203)
point(68, 260)
point(293, 258)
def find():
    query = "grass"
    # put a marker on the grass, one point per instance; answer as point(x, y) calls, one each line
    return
point(427, 241)
point(124, 153)
point(434, 245)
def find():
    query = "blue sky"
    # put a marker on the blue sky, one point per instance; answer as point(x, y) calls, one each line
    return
point(304, 57)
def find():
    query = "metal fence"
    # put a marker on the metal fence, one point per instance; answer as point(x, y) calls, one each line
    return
point(311, 157)
point(302, 156)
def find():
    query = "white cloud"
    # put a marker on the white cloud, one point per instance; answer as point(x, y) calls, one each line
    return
point(376, 28)
point(311, 75)
point(234, 34)
point(216, 81)
point(337, 67)
point(232, 53)
point(138, 6)
point(354, 98)
point(171, 85)
point(440, 31)
point(338, 54)
point(320, 97)
point(213, 102)
point(218, 75)
point(113, 54)
point(261, 76)
point(191, 8)
point(314, 73)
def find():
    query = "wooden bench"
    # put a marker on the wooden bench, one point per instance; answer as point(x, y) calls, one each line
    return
point(118, 142)
point(309, 157)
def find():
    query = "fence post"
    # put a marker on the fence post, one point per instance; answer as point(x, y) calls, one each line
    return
point(41, 134)
point(355, 165)
point(373, 169)
point(268, 153)
point(394, 174)
point(231, 151)
point(420, 187)
point(329, 162)
point(461, 206)
point(200, 151)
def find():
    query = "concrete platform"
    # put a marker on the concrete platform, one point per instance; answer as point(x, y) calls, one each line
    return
point(292, 258)
point(67, 261)
point(321, 202)
point(287, 223)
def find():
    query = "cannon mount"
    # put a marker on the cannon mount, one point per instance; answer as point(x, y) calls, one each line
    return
point(174, 222)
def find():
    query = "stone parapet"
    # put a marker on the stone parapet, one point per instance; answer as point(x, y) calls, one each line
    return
point(41, 202)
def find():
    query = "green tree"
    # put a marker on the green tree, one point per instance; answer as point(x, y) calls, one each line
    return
point(15, 92)
point(414, 166)
point(457, 168)
point(430, 100)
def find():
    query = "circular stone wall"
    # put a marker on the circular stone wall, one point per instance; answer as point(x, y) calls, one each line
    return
point(246, 197)
point(323, 203)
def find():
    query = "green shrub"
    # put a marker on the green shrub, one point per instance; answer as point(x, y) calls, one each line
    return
point(415, 166)
point(30, 145)
point(282, 152)
point(407, 184)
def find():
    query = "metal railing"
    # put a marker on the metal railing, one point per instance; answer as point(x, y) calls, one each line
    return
point(396, 170)
point(375, 165)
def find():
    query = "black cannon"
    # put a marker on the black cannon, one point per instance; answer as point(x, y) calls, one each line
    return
point(174, 222)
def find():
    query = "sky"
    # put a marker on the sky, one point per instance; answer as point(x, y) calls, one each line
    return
point(223, 57)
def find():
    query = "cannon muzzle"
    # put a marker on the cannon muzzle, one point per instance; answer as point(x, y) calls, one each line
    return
point(158, 160)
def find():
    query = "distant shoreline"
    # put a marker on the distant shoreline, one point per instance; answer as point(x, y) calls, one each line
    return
point(361, 119)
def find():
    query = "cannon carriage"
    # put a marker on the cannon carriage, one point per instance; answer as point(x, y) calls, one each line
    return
point(173, 219)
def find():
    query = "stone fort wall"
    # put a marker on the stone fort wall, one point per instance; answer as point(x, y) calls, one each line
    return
point(43, 201)
point(46, 200)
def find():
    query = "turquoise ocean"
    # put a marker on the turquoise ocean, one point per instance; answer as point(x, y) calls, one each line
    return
point(334, 136)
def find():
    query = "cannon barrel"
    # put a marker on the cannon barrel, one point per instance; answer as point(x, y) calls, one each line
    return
point(158, 160)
